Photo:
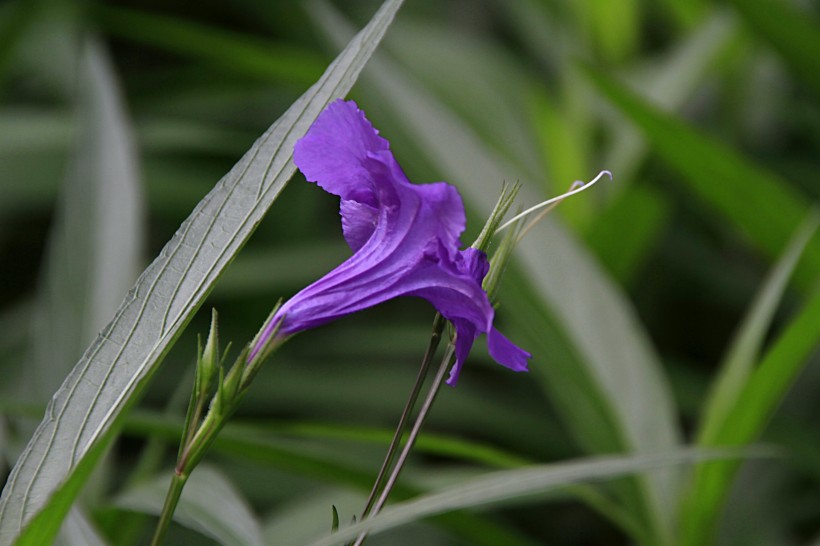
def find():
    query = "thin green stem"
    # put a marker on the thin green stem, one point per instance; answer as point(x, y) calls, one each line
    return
point(435, 338)
point(171, 501)
point(411, 439)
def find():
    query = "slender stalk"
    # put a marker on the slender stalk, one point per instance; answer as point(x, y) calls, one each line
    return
point(200, 432)
point(171, 501)
point(435, 338)
point(411, 439)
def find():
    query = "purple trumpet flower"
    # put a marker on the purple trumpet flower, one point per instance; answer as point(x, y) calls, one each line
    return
point(404, 237)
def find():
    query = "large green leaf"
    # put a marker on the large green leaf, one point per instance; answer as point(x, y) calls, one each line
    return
point(622, 372)
point(119, 363)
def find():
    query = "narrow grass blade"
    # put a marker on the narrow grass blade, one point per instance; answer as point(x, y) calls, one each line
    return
point(743, 424)
point(121, 360)
point(744, 351)
point(209, 504)
point(764, 208)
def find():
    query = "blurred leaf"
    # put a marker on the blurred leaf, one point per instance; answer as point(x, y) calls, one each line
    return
point(625, 232)
point(614, 26)
point(119, 363)
point(35, 131)
point(78, 530)
point(149, 424)
point(544, 36)
point(794, 34)
point(670, 82)
point(761, 206)
point(745, 421)
point(256, 273)
point(209, 504)
point(744, 351)
point(688, 13)
point(564, 144)
point(15, 19)
point(95, 247)
point(519, 486)
point(622, 372)
point(455, 64)
point(236, 52)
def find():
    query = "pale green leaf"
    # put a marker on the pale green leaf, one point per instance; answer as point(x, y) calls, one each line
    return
point(519, 485)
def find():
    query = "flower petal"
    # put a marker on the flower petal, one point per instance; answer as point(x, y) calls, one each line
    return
point(505, 352)
point(405, 239)
point(358, 222)
point(465, 337)
point(334, 152)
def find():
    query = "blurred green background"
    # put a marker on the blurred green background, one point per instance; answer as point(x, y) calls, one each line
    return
point(706, 112)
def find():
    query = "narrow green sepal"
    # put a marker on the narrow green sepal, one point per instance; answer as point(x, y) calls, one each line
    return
point(499, 261)
point(198, 374)
point(334, 524)
point(258, 335)
point(232, 382)
point(209, 359)
point(218, 403)
point(505, 201)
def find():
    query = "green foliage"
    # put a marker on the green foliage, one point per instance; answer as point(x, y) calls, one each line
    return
point(670, 312)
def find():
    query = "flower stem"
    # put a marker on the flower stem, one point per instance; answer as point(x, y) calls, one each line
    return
point(171, 500)
point(411, 439)
point(435, 338)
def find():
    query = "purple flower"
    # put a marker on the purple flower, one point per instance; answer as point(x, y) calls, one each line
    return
point(404, 237)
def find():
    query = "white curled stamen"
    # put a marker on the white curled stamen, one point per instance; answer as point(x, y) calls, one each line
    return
point(576, 187)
